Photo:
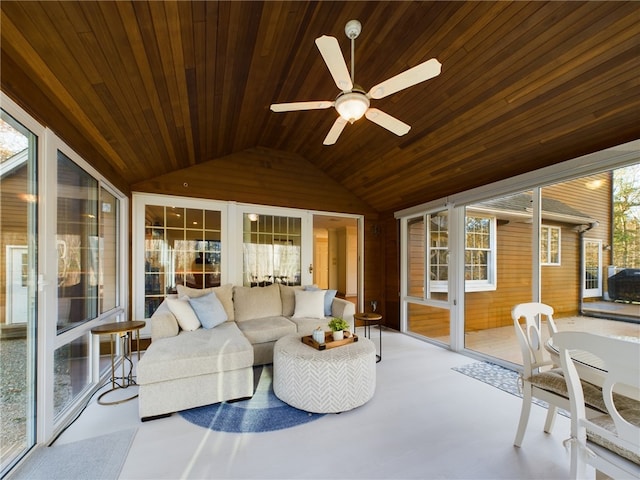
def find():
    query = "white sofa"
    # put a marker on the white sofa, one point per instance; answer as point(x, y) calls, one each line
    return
point(193, 366)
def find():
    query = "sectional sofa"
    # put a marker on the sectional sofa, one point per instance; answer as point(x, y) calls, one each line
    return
point(206, 342)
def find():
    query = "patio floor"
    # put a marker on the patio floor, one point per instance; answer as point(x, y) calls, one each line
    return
point(502, 343)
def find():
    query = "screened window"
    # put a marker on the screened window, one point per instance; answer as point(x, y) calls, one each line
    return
point(439, 247)
point(109, 250)
point(479, 254)
point(77, 244)
point(549, 245)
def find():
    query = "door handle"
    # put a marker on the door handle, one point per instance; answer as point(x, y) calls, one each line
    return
point(310, 268)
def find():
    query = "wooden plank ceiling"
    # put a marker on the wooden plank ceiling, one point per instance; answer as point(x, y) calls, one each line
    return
point(146, 88)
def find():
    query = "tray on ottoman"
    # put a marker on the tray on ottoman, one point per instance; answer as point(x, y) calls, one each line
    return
point(328, 341)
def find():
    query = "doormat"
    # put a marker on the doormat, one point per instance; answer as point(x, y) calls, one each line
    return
point(97, 458)
point(264, 412)
point(499, 377)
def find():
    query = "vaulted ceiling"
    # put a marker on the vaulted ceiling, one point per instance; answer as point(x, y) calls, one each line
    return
point(141, 88)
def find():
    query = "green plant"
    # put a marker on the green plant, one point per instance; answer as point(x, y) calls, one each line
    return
point(337, 324)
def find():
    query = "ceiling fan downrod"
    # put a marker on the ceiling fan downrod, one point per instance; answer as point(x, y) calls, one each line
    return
point(353, 29)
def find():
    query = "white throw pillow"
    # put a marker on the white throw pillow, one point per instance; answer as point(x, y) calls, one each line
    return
point(223, 292)
point(186, 317)
point(309, 304)
point(209, 310)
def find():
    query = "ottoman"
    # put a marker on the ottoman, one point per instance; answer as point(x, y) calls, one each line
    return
point(324, 381)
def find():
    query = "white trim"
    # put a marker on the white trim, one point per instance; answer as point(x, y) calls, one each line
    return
point(231, 236)
point(49, 271)
point(591, 292)
point(547, 248)
point(13, 109)
point(139, 203)
point(14, 162)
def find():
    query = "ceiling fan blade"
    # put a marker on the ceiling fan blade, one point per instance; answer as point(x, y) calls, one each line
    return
point(332, 55)
point(292, 107)
point(419, 73)
point(387, 121)
point(336, 130)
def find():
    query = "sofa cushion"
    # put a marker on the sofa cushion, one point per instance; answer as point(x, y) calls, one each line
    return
point(186, 317)
point(209, 310)
point(258, 302)
point(309, 304)
point(269, 329)
point(163, 323)
point(223, 292)
point(287, 295)
point(631, 415)
point(199, 352)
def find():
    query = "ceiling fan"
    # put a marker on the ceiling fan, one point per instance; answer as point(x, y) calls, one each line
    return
point(353, 102)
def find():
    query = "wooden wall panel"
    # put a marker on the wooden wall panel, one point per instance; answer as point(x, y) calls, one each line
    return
point(260, 176)
point(144, 88)
point(391, 281)
point(266, 177)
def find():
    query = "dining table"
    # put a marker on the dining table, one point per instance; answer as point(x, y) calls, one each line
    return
point(590, 367)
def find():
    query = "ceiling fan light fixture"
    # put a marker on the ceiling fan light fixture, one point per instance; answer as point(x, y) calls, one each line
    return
point(352, 106)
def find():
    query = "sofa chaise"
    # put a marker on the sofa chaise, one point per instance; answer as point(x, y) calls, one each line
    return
point(205, 342)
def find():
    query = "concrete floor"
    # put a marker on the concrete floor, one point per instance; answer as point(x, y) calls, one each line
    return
point(425, 421)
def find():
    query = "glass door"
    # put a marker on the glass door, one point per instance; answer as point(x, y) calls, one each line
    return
point(271, 250)
point(592, 269)
point(18, 236)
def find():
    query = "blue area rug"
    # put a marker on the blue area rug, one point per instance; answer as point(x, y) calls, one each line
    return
point(264, 412)
point(499, 377)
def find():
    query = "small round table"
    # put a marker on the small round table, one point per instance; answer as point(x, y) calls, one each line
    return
point(124, 330)
point(369, 318)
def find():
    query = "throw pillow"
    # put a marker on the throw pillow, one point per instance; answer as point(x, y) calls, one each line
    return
point(209, 310)
point(223, 292)
point(256, 302)
point(184, 314)
point(288, 299)
point(329, 295)
point(309, 304)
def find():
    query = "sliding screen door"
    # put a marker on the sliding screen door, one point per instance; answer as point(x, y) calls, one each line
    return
point(18, 238)
point(427, 279)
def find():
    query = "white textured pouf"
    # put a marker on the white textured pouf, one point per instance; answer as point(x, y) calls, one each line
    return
point(324, 381)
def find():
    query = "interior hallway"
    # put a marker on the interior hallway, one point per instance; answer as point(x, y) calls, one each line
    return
point(425, 421)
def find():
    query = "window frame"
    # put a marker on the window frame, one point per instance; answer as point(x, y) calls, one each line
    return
point(488, 284)
point(547, 248)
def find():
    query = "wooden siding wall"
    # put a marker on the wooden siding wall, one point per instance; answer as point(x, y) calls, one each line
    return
point(13, 224)
point(492, 309)
point(270, 177)
point(592, 196)
point(560, 284)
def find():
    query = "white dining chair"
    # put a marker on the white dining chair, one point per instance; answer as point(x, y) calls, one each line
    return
point(609, 442)
point(540, 377)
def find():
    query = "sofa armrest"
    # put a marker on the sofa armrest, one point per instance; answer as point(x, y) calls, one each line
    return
point(163, 323)
point(343, 309)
